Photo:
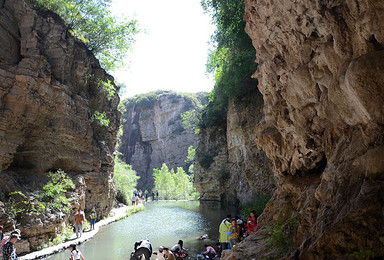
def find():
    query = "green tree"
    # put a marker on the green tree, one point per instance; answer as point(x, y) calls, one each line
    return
point(91, 21)
point(231, 61)
point(173, 185)
point(164, 182)
point(125, 181)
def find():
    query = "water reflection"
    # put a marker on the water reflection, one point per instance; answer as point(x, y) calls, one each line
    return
point(163, 223)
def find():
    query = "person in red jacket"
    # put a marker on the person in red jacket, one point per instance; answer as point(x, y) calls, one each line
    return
point(251, 222)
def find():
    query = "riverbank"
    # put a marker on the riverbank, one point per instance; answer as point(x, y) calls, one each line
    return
point(115, 215)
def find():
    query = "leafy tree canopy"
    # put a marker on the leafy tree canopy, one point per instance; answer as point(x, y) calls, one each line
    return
point(174, 185)
point(125, 181)
point(231, 61)
point(92, 22)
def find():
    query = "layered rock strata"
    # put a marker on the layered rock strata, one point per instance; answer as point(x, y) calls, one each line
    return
point(230, 167)
point(153, 132)
point(49, 93)
point(321, 69)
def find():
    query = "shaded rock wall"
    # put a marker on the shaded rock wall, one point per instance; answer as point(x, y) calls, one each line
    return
point(239, 171)
point(48, 94)
point(321, 69)
point(153, 133)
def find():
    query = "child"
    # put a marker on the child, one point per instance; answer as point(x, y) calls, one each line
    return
point(75, 253)
point(235, 233)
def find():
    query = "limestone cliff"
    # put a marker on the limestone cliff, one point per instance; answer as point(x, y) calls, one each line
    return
point(229, 166)
point(153, 132)
point(49, 92)
point(321, 69)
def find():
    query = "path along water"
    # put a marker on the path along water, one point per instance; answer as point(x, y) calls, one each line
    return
point(163, 223)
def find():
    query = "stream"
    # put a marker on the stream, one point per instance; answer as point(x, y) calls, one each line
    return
point(163, 223)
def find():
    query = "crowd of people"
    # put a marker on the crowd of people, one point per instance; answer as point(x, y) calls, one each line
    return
point(231, 230)
point(139, 196)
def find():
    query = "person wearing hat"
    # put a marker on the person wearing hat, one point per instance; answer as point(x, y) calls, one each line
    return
point(160, 253)
point(9, 251)
point(75, 253)
point(6, 240)
point(168, 254)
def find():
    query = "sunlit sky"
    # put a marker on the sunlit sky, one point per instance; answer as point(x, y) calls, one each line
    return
point(172, 51)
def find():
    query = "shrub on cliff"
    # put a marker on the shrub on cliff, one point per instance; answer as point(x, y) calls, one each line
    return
point(93, 23)
point(53, 197)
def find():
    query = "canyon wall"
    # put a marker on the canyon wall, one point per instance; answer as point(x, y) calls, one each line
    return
point(49, 94)
point(320, 70)
point(153, 132)
point(229, 167)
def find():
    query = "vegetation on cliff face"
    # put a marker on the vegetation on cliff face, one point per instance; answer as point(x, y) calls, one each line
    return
point(52, 198)
point(232, 60)
point(92, 22)
point(148, 100)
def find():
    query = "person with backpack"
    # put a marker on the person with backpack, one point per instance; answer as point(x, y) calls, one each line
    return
point(79, 221)
point(93, 218)
point(75, 253)
point(8, 250)
point(6, 239)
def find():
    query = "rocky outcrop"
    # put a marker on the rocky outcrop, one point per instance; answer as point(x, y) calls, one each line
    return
point(153, 132)
point(321, 75)
point(49, 93)
point(229, 166)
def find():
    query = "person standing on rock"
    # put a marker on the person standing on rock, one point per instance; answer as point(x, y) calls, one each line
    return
point(93, 217)
point(251, 222)
point(157, 195)
point(234, 229)
point(153, 196)
point(223, 229)
point(146, 195)
point(79, 221)
point(8, 250)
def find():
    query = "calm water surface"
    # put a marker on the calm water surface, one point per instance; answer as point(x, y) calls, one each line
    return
point(163, 223)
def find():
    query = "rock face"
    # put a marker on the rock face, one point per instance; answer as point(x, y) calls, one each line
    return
point(153, 132)
point(229, 167)
point(48, 95)
point(321, 75)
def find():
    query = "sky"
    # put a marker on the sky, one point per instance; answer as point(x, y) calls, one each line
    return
point(172, 50)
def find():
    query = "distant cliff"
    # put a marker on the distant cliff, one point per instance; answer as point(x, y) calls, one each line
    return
point(153, 132)
point(229, 167)
point(49, 94)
